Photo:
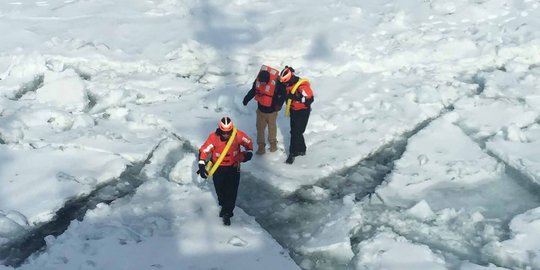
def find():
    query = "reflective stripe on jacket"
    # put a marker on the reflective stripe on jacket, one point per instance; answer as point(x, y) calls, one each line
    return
point(214, 146)
point(305, 90)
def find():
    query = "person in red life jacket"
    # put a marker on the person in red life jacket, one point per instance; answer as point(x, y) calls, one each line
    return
point(270, 95)
point(300, 109)
point(227, 176)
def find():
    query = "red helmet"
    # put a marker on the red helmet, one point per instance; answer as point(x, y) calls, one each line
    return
point(226, 124)
point(286, 74)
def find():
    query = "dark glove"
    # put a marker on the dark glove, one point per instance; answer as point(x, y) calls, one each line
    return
point(202, 171)
point(247, 156)
point(295, 96)
point(245, 101)
point(309, 101)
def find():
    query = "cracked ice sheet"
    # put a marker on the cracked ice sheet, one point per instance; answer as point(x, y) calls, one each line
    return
point(387, 250)
point(343, 133)
point(56, 154)
point(332, 240)
point(485, 117)
point(522, 250)
point(517, 142)
point(42, 126)
point(454, 233)
point(434, 162)
point(510, 100)
point(351, 129)
point(53, 175)
point(519, 148)
point(163, 226)
point(453, 172)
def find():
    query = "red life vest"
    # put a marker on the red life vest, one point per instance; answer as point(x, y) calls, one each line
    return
point(265, 91)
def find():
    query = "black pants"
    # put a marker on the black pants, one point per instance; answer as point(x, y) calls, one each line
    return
point(226, 181)
point(299, 120)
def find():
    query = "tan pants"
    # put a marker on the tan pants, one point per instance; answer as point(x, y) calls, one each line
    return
point(263, 120)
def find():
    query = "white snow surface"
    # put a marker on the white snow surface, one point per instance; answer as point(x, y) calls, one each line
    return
point(164, 226)
point(90, 90)
point(385, 251)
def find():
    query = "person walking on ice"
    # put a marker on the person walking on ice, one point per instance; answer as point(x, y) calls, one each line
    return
point(299, 100)
point(270, 95)
point(222, 153)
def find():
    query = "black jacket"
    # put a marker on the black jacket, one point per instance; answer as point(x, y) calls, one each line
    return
point(279, 97)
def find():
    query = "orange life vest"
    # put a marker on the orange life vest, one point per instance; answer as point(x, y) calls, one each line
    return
point(265, 91)
point(214, 146)
point(304, 88)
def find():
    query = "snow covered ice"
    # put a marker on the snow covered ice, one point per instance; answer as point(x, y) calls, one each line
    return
point(422, 143)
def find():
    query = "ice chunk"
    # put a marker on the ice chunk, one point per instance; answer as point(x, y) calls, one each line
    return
point(9, 228)
point(65, 90)
point(237, 241)
point(421, 211)
point(333, 239)
point(522, 250)
point(387, 250)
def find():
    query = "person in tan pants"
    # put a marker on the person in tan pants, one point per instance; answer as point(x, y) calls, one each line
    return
point(263, 120)
point(270, 95)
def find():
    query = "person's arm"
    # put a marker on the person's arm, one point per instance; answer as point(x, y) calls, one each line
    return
point(247, 143)
point(250, 94)
point(206, 149)
point(306, 96)
point(280, 96)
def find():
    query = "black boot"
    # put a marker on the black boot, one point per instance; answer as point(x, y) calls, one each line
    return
point(226, 220)
point(222, 213)
point(290, 159)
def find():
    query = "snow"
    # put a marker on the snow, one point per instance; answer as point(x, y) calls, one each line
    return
point(163, 226)
point(333, 239)
point(518, 150)
point(385, 251)
point(421, 210)
point(69, 86)
point(53, 176)
point(97, 94)
point(432, 163)
point(522, 248)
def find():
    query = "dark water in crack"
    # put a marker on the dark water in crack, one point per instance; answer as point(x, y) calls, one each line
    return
point(14, 253)
point(293, 220)
point(31, 86)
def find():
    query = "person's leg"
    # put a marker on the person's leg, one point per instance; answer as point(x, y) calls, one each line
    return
point(272, 131)
point(230, 194)
point(218, 179)
point(295, 132)
point(261, 127)
point(303, 117)
point(232, 191)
